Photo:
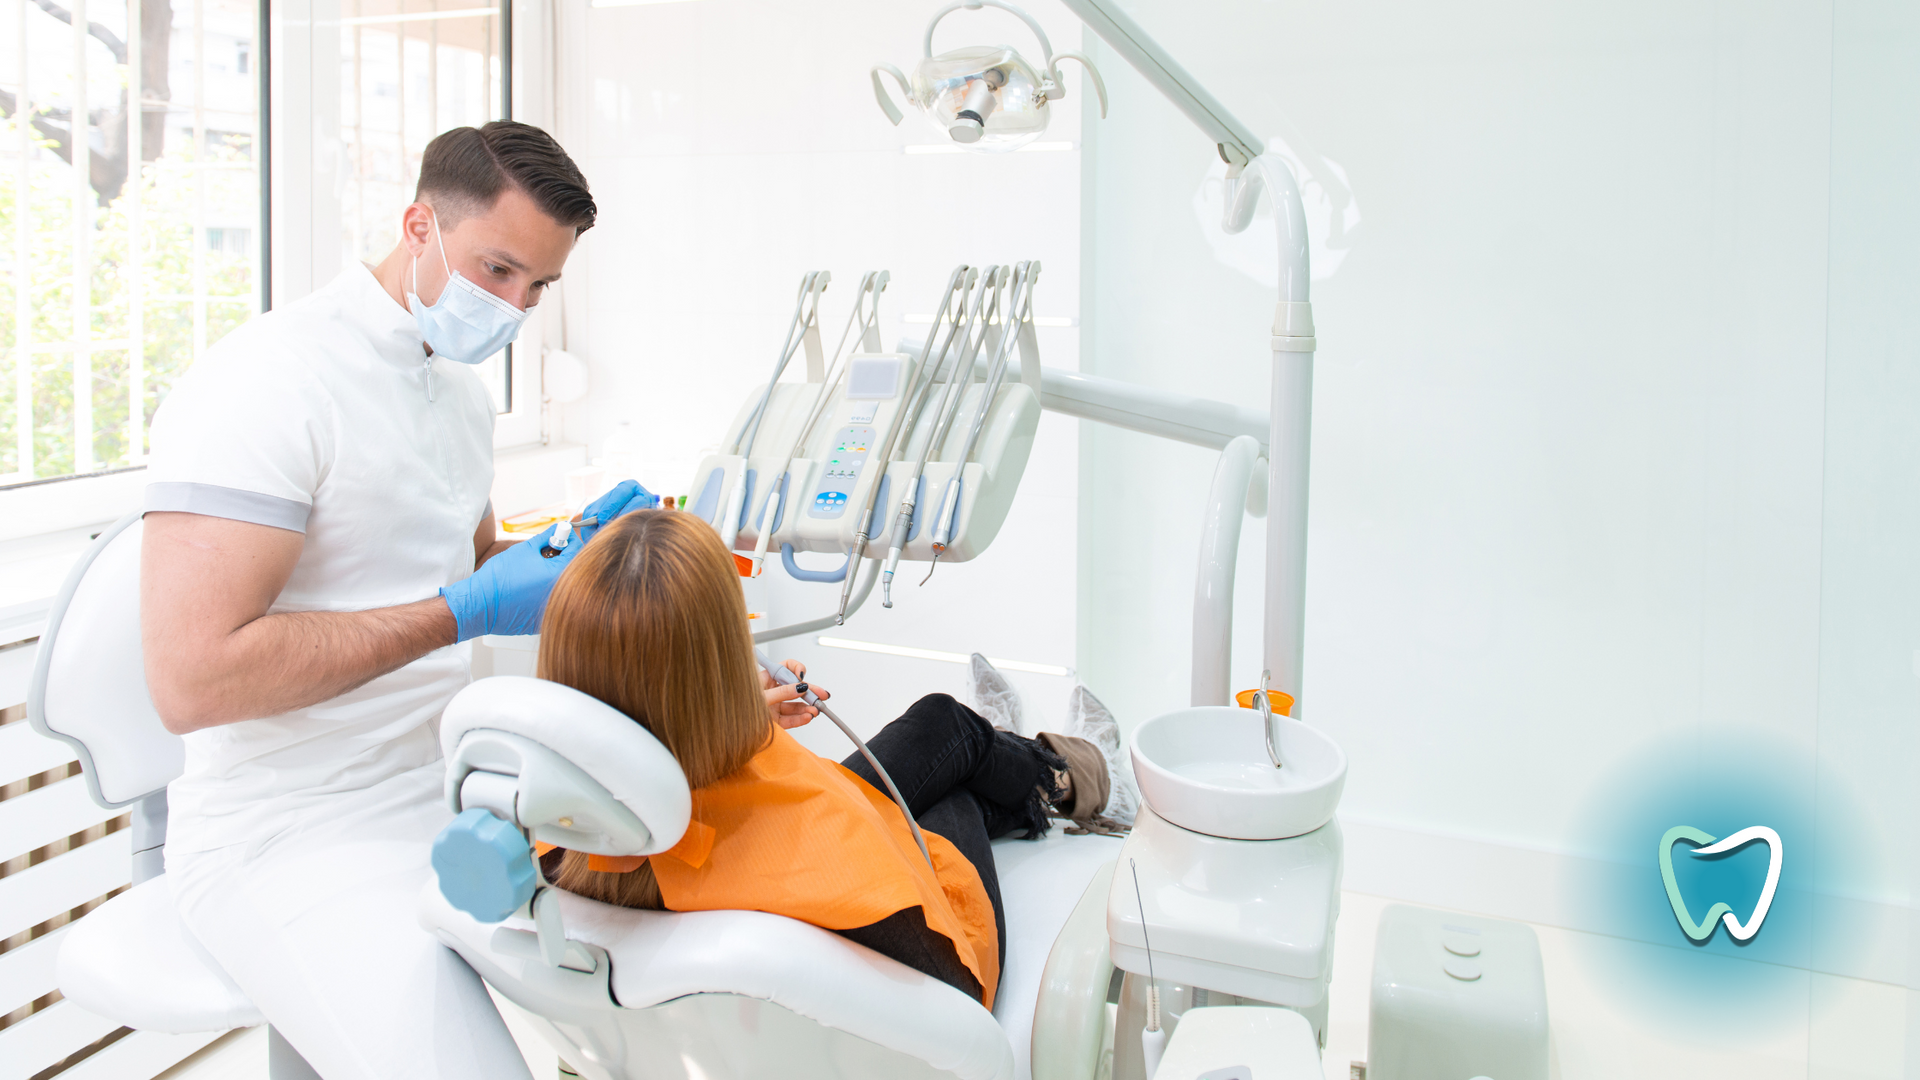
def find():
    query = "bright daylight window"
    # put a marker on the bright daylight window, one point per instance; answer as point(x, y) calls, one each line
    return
point(409, 70)
point(126, 258)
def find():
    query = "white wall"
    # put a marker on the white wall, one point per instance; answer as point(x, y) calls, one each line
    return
point(734, 145)
point(1575, 425)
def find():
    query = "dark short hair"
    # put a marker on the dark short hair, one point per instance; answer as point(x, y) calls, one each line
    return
point(464, 171)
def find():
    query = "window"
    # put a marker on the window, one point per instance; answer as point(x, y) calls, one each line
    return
point(124, 263)
point(410, 69)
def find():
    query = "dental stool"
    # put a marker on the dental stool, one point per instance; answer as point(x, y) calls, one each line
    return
point(624, 993)
point(131, 960)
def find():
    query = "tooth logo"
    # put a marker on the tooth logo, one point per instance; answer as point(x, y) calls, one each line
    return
point(1702, 930)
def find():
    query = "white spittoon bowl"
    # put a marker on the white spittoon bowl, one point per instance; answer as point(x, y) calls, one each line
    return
point(1206, 770)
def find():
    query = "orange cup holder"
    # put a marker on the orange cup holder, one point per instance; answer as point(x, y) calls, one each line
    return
point(1279, 702)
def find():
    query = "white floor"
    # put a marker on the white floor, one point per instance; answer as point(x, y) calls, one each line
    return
point(1859, 1030)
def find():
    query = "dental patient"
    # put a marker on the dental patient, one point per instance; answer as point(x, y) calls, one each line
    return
point(650, 619)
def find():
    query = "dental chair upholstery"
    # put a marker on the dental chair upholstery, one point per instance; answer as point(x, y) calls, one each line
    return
point(623, 993)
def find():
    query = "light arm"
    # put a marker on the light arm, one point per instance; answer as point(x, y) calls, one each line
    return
point(1238, 146)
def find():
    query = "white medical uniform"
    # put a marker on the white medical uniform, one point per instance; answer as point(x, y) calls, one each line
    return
point(297, 844)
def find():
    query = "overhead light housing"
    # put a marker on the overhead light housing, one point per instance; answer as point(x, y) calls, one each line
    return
point(984, 97)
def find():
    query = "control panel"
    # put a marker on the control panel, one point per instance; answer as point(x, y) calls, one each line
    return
point(845, 457)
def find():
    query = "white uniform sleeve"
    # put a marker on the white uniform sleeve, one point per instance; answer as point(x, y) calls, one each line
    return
point(247, 435)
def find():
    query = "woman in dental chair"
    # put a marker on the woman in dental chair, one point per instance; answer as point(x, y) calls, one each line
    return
point(650, 619)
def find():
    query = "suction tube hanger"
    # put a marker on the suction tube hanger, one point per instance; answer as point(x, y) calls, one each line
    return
point(803, 329)
point(986, 302)
point(952, 308)
point(785, 677)
point(866, 316)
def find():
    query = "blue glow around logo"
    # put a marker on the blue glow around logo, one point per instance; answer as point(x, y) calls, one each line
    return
point(1720, 783)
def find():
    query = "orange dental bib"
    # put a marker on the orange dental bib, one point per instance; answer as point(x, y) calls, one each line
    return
point(795, 834)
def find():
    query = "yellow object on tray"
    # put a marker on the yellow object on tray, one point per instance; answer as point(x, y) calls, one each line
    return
point(534, 520)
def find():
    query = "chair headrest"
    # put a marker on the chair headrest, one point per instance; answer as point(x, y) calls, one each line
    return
point(89, 687)
point(567, 766)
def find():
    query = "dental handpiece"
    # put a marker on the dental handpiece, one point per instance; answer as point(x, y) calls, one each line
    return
point(1019, 304)
point(957, 379)
point(949, 408)
point(785, 677)
point(811, 286)
point(925, 375)
point(562, 534)
point(872, 284)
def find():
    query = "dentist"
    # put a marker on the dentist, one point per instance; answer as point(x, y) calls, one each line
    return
point(318, 541)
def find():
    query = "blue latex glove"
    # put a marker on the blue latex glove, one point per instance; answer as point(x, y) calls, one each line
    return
point(508, 594)
point(624, 498)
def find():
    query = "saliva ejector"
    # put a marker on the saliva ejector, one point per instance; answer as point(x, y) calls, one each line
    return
point(785, 677)
point(985, 97)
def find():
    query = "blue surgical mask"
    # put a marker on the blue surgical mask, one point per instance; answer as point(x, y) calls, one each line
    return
point(468, 323)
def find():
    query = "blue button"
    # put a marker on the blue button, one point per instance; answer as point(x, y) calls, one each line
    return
point(484, 864)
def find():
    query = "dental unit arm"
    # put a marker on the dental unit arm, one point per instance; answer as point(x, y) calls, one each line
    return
point(882, 431)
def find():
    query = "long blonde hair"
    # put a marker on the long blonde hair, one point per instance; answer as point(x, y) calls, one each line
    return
point(649, 618)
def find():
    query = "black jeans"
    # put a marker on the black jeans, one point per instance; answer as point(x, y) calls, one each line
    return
point(964, 780)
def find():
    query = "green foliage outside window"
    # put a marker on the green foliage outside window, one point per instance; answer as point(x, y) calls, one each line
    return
point(166, 247)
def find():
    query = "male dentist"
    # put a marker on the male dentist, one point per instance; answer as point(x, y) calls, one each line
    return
point(318, 539)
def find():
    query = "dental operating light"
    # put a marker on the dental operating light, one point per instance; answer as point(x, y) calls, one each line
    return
point(953, 88)
point(985, 98)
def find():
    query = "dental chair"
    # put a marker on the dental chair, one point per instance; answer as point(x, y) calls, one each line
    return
point(625, 994)
point(700, 994)
point(131, 960)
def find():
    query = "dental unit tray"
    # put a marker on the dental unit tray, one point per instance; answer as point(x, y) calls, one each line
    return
point(827, 485)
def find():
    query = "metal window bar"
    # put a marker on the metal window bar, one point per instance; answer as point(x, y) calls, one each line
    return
point(82, 390)
point(23, 259)
point(199, 181)
point(136, 262)
point(374, 44)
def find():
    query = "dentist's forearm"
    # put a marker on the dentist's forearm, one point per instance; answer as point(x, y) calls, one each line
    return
point(215, 653)
point(281, 662)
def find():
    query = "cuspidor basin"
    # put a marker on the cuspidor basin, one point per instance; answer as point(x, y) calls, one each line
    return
point(1206, 769)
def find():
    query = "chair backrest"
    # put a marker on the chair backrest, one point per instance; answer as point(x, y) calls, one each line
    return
point(89, 686)
point(566, 766)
